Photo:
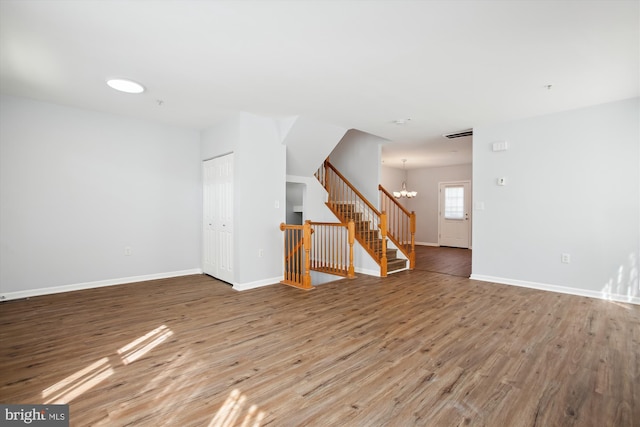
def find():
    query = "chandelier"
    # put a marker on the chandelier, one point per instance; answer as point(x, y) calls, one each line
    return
point(404, 192)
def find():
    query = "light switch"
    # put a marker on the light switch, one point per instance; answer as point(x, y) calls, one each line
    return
point(500, 146)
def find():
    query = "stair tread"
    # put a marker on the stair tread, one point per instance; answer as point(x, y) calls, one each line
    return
point(396, 264)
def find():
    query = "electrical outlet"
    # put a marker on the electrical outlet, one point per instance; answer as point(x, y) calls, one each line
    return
point(128, 251)
point(566, 258)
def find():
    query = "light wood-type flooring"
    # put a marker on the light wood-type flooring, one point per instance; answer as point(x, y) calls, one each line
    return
point(415, 349)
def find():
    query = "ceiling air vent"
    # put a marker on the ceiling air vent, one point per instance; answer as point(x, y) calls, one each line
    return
point(460, 134)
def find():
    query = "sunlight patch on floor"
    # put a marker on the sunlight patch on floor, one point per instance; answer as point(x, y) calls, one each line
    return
point(625, 283)
point(74, 385)
point(141, 346)
point(231, 411)
point(172, 374)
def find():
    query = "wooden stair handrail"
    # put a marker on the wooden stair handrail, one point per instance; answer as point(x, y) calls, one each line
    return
point(352, 187)
point(392, 198)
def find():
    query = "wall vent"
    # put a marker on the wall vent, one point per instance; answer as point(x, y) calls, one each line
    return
point(459, 134)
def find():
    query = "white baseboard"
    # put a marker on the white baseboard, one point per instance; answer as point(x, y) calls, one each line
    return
point(97, 284)
point(427, 244)
point(556, 288)
point(397, 271)
point(257, 283)
point(437, 245)
point(368, 272)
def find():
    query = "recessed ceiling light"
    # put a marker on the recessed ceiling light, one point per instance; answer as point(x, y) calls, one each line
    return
point(125, 85)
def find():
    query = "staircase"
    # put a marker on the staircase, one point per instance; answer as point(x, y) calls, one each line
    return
point(372, 227)
point(323, 246)
point(368, 236)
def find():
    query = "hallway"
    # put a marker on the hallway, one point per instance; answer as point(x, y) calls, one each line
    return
point(445, 260)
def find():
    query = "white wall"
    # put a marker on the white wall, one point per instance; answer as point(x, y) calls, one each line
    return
point(391, 179)
point(358, 157)
point(77, 187)
point(259, 185)
point(220, 139)
point(308, 142)
point(426, 182)
point(573, 187)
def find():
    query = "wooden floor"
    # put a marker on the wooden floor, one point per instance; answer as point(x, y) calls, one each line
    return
point(415, 349)
point(454, 261)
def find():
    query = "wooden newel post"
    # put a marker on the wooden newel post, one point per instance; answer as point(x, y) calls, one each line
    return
point(306, 243)
point(326, 174)
point(284, 269)
point(412, 228)
point(383, 231)
point(351, 228)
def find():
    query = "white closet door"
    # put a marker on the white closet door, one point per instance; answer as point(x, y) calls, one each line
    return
point(218, 218)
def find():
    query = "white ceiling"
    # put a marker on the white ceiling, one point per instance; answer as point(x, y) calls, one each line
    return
point(446, 65)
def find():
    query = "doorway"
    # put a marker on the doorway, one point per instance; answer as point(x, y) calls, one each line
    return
point(217, 177)
point(295, 204)
point(454, 214)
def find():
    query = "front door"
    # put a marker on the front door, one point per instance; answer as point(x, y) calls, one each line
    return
point(454, 214)
point(218, 218)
